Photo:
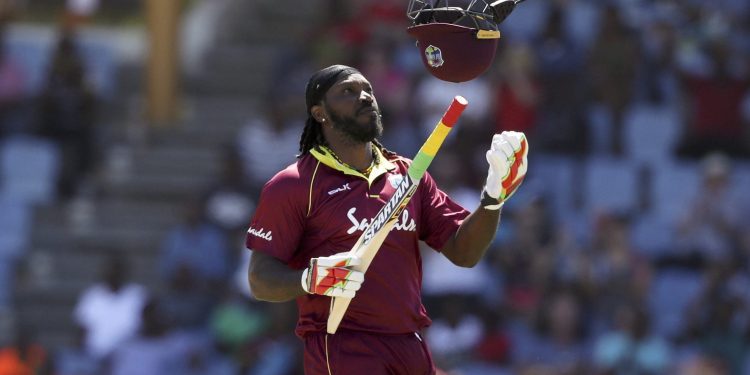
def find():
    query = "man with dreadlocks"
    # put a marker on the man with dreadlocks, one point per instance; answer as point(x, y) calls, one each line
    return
point(311, 213)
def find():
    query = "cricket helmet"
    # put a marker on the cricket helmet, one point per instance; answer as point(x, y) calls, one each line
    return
point(457, 38)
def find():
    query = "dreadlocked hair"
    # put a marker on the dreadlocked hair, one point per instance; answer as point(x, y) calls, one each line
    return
point(386, 152)
point(312, 138)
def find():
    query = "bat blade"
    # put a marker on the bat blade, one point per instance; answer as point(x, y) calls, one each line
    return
point(372, 238)
point(366, 251)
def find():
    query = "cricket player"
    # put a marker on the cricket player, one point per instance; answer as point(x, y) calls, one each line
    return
point(311, 214)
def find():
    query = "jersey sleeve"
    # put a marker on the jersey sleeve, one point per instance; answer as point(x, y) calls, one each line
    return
point(278, 222)
point(440, 216)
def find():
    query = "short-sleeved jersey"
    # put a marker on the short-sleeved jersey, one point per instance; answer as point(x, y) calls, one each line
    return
point(319, 207)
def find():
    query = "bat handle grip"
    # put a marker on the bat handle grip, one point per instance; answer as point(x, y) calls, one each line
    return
point(454, 111)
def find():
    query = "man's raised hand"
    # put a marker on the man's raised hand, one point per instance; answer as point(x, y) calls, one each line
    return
point(507, 158)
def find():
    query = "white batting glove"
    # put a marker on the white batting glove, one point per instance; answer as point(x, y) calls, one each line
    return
point(507, 158)
point(332, 276)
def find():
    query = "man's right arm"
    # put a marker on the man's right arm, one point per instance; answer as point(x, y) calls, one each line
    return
point(273, 281)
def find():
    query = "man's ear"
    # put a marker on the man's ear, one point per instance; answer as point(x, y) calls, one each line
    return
point(319, 113)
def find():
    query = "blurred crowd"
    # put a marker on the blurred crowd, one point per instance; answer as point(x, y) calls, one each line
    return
point(626, 251)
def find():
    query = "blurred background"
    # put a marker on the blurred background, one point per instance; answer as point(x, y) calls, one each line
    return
point(135, 136)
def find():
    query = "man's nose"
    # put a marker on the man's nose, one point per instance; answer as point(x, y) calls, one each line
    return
point(365, 96)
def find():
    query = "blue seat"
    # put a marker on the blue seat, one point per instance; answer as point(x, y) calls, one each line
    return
point(652, 235)
point(15, 226)
point(651, 134)
point(610, 185)
point(28, 169)
point(34, 50)
point(15, 230)
point(674, 186)
point(100, 62)
point(740, 181)
point(553, 177)
point(671, 293)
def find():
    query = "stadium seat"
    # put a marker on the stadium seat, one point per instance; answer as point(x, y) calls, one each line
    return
point(33, 49)
point(28, 169)
point(650, 134)
point(15, 225)
point(673, 185)
point(671, 293)
point(610, 185)
point(740, 179)
point(652, 236)
point(553, 177)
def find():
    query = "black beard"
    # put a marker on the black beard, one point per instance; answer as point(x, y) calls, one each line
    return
point(354, 130)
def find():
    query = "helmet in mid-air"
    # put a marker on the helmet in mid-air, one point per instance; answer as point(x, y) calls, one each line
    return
point(457, 38)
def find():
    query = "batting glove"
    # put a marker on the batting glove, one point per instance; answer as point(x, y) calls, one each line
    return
point(507, 158)
point(332, 276)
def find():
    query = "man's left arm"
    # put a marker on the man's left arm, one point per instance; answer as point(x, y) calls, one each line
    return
point(507, 159)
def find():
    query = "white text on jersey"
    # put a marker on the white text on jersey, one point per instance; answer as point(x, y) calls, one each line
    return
point(404, 223)
point(338, 190)
point(260, 233)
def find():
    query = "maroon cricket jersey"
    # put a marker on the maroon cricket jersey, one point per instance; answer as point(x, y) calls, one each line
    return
point(318, 207)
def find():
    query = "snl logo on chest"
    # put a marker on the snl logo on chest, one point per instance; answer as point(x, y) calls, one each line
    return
point(404, 223)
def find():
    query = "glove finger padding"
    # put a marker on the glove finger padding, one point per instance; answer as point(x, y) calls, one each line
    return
point(507, 160)
point(332, 276)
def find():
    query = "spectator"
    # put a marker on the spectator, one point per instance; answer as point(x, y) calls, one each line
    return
point(76, 359)
point(24, 356)
point(561, 126)
point(716, 320)
point(612, 63)
point(109, 310)
point(12, 86)
point(440, 276)
point(278, 351)
point(560, 343)
point(269, 142)
point(79, 12)
point(617, 272)
point(232, 199)
point(67, 114)
point(198, 247)
point(492, 354)
point(715, 98)
point(527, 260)
point(702, 365)
point(377, 64)
point(151, 352)
point(207, 361)
point(237, 321)
point(455, 332)
point(710, 226)
point(518, 91)
point(187, 303)
point(631, 348)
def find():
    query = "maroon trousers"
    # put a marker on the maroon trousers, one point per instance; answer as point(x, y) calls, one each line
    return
point(352, 352)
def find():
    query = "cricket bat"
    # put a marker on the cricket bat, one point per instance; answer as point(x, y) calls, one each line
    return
point(369, 241)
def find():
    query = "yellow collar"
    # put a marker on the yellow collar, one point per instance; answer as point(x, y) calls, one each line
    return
point(381, 168)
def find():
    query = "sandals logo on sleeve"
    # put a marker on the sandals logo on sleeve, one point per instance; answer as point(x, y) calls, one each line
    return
point(261, 233)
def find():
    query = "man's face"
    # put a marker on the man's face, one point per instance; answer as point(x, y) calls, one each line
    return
point(353, 110)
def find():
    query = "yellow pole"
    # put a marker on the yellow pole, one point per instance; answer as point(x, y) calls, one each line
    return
point(162, 17)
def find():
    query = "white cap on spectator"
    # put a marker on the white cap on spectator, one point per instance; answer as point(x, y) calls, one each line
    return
point(83, 7)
